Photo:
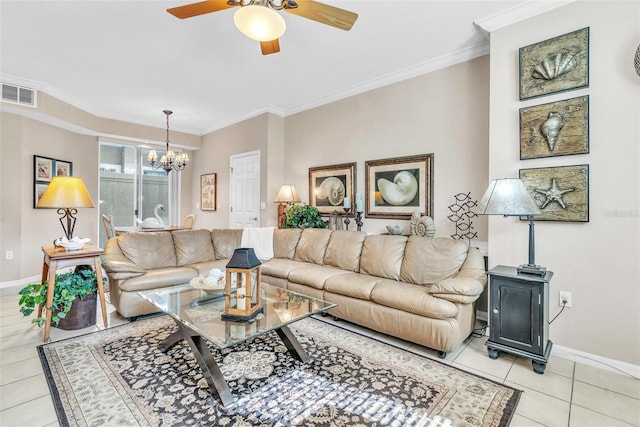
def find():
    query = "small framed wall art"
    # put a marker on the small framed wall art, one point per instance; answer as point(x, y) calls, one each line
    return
point(208, 184)
point(329, 185)
point(44, 169)
point(555, 65)
point(63, 168)
point(397, 187)
point(561, 193)
point(555, 129)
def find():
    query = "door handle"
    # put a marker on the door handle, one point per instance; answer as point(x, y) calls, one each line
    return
point(254, 219)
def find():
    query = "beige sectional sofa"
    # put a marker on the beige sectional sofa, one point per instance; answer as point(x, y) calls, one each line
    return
point(420, 289)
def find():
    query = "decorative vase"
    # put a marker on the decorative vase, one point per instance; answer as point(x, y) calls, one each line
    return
point(82, 313)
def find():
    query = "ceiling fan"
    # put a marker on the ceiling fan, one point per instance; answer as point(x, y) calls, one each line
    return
point(258, 19)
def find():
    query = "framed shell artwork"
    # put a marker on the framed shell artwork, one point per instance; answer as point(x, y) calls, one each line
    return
point(555, 129)
point(398, 187)
point(561, 193)
point(555, 65)
point(329, 185)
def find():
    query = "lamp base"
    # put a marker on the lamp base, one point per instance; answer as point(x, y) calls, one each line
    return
point(241, 319)
point(537, 270)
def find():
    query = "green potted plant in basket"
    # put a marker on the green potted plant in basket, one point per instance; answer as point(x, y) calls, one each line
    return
point(303, 216)
point(74, 299)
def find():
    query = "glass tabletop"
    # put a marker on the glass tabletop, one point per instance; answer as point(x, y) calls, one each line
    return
point(200, 311)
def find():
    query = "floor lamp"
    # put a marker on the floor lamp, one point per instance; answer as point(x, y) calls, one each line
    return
point(286, 196)
point(509, 197)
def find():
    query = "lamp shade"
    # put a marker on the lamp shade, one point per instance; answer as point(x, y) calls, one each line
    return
point(508, 197)
point(287, 194)
point(243, 258)
point(259, 23)
point(66, 192)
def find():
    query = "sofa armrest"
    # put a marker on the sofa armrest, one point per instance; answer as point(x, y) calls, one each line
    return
point(122, 270)
point(466, 286)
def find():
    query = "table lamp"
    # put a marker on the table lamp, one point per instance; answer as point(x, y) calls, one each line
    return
point(66, 193)
point(509, 197)
point(286, 196)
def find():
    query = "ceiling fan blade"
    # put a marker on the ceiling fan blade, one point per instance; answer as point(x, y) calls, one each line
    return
point(270, 47)
point(324, 14)
point(200, 8)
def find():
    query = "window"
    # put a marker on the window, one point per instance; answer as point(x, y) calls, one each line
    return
point(130, 189)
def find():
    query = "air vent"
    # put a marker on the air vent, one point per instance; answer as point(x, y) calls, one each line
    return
point(18, 95)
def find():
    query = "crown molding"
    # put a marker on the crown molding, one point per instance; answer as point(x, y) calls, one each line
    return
point(77, 103)
point(441, 62)
point(518, 13)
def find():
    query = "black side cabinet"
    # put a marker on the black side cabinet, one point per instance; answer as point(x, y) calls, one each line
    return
point(519, 315)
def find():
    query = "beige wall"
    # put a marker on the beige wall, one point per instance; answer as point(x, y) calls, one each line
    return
point(262, 133)
point(444, 112)
point(597, 261)
point(23, 229)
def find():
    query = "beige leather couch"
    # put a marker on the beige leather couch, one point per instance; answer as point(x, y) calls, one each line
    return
point(416, 288)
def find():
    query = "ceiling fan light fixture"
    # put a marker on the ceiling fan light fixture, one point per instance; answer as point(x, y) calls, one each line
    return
point(259, 23)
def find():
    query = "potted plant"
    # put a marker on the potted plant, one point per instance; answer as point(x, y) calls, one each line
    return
point(303, 216)
point(74, 299)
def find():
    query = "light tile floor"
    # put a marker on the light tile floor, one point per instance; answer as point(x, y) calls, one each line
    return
point(568, 394)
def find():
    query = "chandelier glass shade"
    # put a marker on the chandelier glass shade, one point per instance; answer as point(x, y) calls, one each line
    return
point(260, 23)
point(169, 161)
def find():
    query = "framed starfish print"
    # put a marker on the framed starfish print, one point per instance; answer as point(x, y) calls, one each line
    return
point(561, 193)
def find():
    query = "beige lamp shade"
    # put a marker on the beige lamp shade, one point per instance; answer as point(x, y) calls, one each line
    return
point(287, 194)
point(508, 197)
point(66, 192)
point(260, 23)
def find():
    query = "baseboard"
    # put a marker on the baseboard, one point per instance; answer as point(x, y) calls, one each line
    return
point(594, 360)
point(611, 365)
point(19, 283)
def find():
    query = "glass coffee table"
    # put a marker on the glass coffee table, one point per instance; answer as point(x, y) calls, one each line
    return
point(197, 314)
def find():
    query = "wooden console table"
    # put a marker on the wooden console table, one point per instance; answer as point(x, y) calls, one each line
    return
point(58, 257)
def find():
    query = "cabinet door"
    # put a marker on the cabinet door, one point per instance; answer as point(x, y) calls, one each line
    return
point(515, 314)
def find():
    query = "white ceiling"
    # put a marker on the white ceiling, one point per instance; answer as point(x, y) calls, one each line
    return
point(130, 59)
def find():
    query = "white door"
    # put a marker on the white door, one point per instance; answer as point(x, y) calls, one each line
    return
point(244, 194)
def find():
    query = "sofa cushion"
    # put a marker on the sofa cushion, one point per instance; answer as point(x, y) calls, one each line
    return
point(313, 275)
point(344, 249)
point(353, 285)
point(193, 246)
point(205, 267)
point(225, 241)
point(285, 241)
point(428, 260)
point(159, 278)
point(148, 250)
point(413, 299)
point(280, 267)
point(312, 245)
point(382, 256)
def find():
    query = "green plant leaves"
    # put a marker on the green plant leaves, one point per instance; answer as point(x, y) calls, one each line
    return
point(68, 287)
point(303, 216)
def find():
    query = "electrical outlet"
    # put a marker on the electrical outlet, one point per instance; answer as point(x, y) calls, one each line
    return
point(8, 255)
point(565, 296)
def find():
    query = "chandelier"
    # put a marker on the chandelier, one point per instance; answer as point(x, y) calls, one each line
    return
point(169, 161)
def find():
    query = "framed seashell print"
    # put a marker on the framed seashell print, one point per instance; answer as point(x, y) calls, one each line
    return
point(561, 193)
point(399, 186)
point(555, 129)
point(329, 185)
point(555, 65)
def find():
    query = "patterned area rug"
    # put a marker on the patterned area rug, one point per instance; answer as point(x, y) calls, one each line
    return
point(119, 377)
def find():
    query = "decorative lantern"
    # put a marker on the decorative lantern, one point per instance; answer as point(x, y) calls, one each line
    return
point(242, 287)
